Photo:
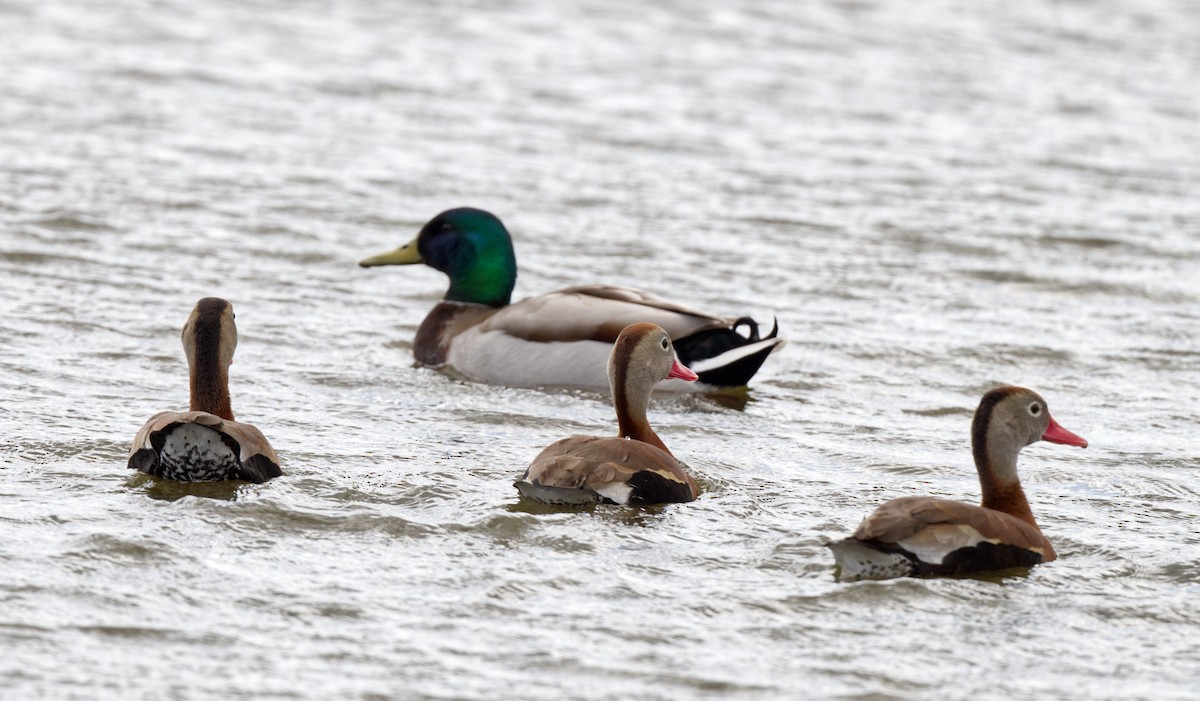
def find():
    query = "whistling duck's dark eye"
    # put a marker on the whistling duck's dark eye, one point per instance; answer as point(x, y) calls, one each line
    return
point(1035, 409)
point(665, 343)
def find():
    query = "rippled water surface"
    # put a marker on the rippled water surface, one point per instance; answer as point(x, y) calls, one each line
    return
point(934, 198)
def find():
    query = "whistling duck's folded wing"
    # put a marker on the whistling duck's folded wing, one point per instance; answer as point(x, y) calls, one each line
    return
point(589, 462)
point(924, 521)
point(625, 471)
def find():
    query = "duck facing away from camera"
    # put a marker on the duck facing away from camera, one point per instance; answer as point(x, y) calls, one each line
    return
point(205, 444)
point(929, 536)
point(634, 467)
point(551, 340)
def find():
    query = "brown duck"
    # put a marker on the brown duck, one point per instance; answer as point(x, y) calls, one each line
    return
point(205, 444)
point(928, 536)
point(634, 467)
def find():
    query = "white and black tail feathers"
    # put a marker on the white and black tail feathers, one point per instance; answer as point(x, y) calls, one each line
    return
point(725, 358)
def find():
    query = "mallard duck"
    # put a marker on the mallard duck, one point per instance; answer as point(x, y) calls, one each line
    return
point(634, 467)
point(205, 444)
point(928, 536)
point(560, 338)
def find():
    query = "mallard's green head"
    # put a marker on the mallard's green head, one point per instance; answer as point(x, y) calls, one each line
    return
point(471, 246)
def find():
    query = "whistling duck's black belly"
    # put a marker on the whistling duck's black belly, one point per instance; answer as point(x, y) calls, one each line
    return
point(642, 489)
point(982, 557)
point(647, 488)
point(190, 453)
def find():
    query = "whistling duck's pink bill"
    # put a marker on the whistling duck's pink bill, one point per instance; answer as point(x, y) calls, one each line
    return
point(681, 372)
point(1058, 434)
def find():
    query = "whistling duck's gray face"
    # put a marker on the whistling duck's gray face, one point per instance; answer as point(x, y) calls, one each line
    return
point(1024, 416)
point(643, 355)
point(656, 351)
point(210, 331)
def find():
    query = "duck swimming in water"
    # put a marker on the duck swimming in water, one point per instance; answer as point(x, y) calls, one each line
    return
point(929, 536)
point(633, 467)
point(205, 444)
point(559, 339)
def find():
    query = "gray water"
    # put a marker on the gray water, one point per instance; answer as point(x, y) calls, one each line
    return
point(935, 198)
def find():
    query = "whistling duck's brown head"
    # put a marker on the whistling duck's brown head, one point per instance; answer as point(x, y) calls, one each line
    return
point(642, 356)
point(210, 336)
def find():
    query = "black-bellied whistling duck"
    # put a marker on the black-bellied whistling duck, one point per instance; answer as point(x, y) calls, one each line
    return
point(928, 536)
point(559, 338)
point(633, 467)
point(205, 444)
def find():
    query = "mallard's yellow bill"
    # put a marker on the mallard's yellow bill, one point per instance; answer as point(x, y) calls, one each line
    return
point(405, 255)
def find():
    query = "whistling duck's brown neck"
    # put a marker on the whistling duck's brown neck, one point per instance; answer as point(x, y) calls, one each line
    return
point(1009, 499)
point(210, 392)
point(209, 339)
point(638, 428)
point(632, 374)
point(996, 440)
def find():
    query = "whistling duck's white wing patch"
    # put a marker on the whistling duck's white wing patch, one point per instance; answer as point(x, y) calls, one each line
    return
point(617, 491)
point(933, 543)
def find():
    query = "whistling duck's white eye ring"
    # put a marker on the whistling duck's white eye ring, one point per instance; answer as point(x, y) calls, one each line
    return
point(1035, 409)
point(665, 343)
